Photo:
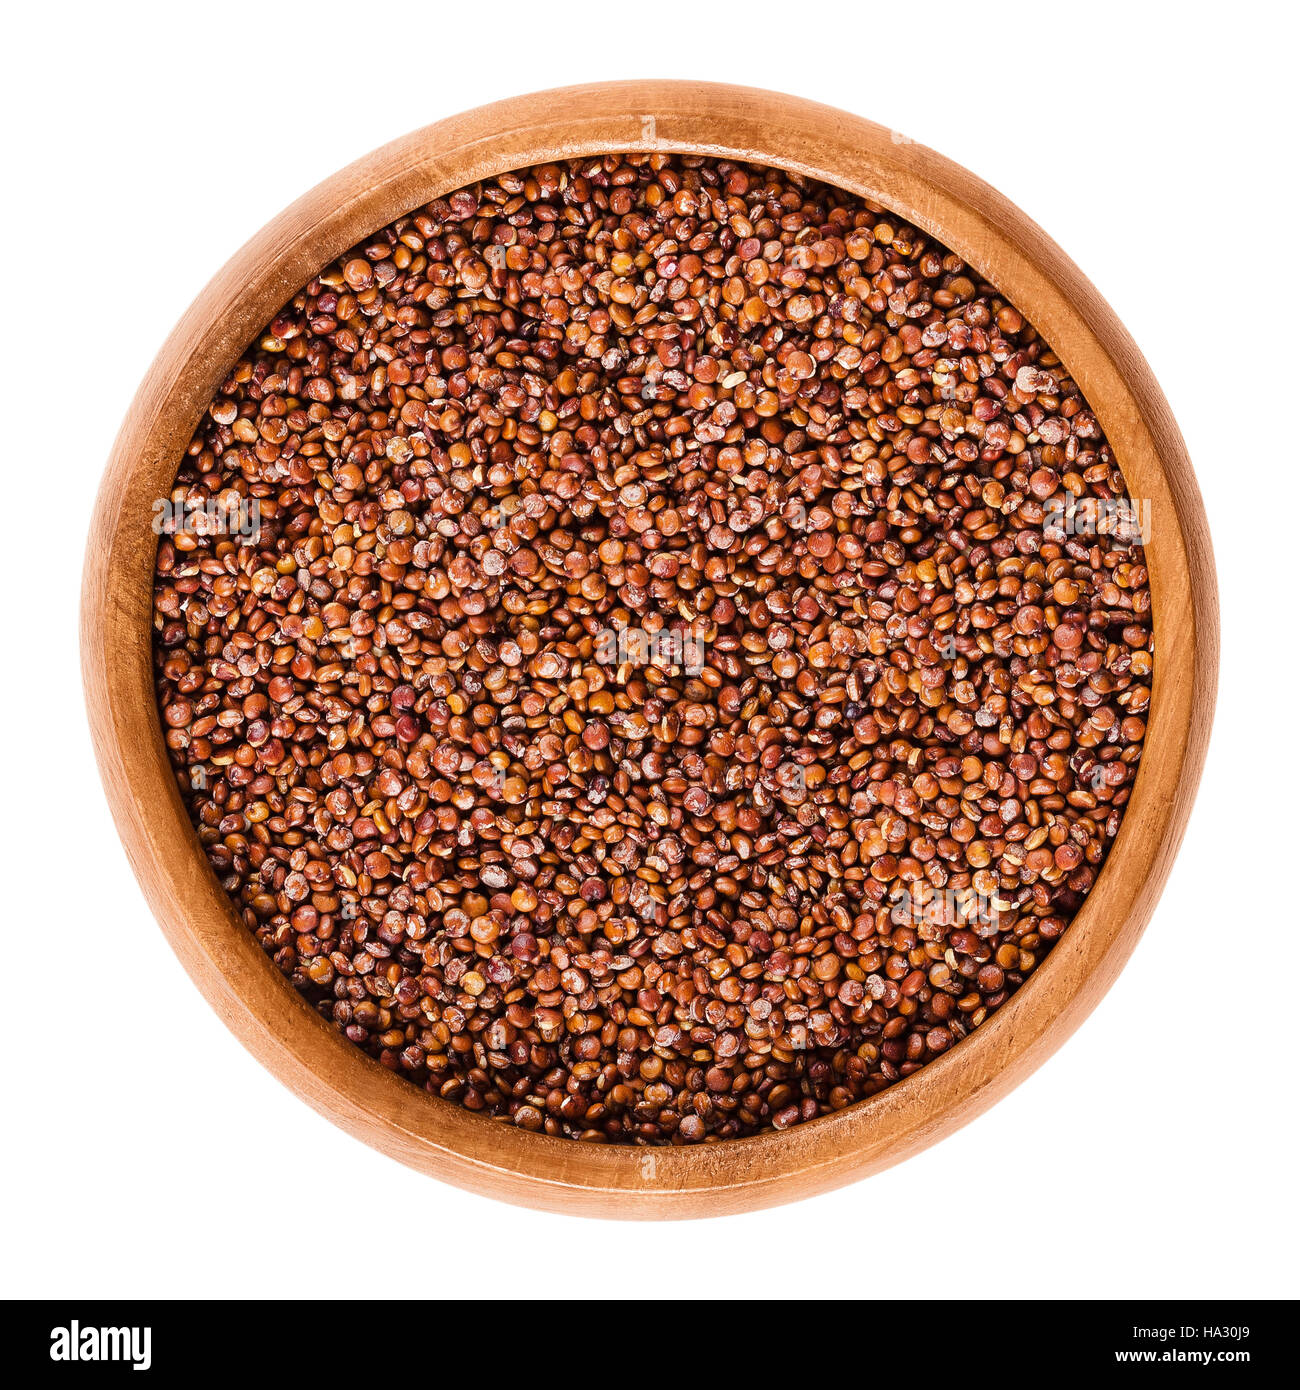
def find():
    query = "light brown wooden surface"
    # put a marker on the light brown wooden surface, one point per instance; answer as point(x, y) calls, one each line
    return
point(240, 982)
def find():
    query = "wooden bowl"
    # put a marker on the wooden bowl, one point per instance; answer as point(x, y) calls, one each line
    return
point(240, 982)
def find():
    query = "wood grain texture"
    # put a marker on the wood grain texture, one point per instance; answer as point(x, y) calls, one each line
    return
point(222, 957)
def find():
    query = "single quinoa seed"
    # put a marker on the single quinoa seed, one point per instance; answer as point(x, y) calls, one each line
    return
point(653, 652)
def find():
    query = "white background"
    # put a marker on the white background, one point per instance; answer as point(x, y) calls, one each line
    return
point(145, 1153)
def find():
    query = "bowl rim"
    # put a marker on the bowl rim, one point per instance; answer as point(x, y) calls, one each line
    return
point(221, 956)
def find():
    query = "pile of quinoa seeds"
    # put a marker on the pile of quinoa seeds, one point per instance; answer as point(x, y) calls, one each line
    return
point(647, 699)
